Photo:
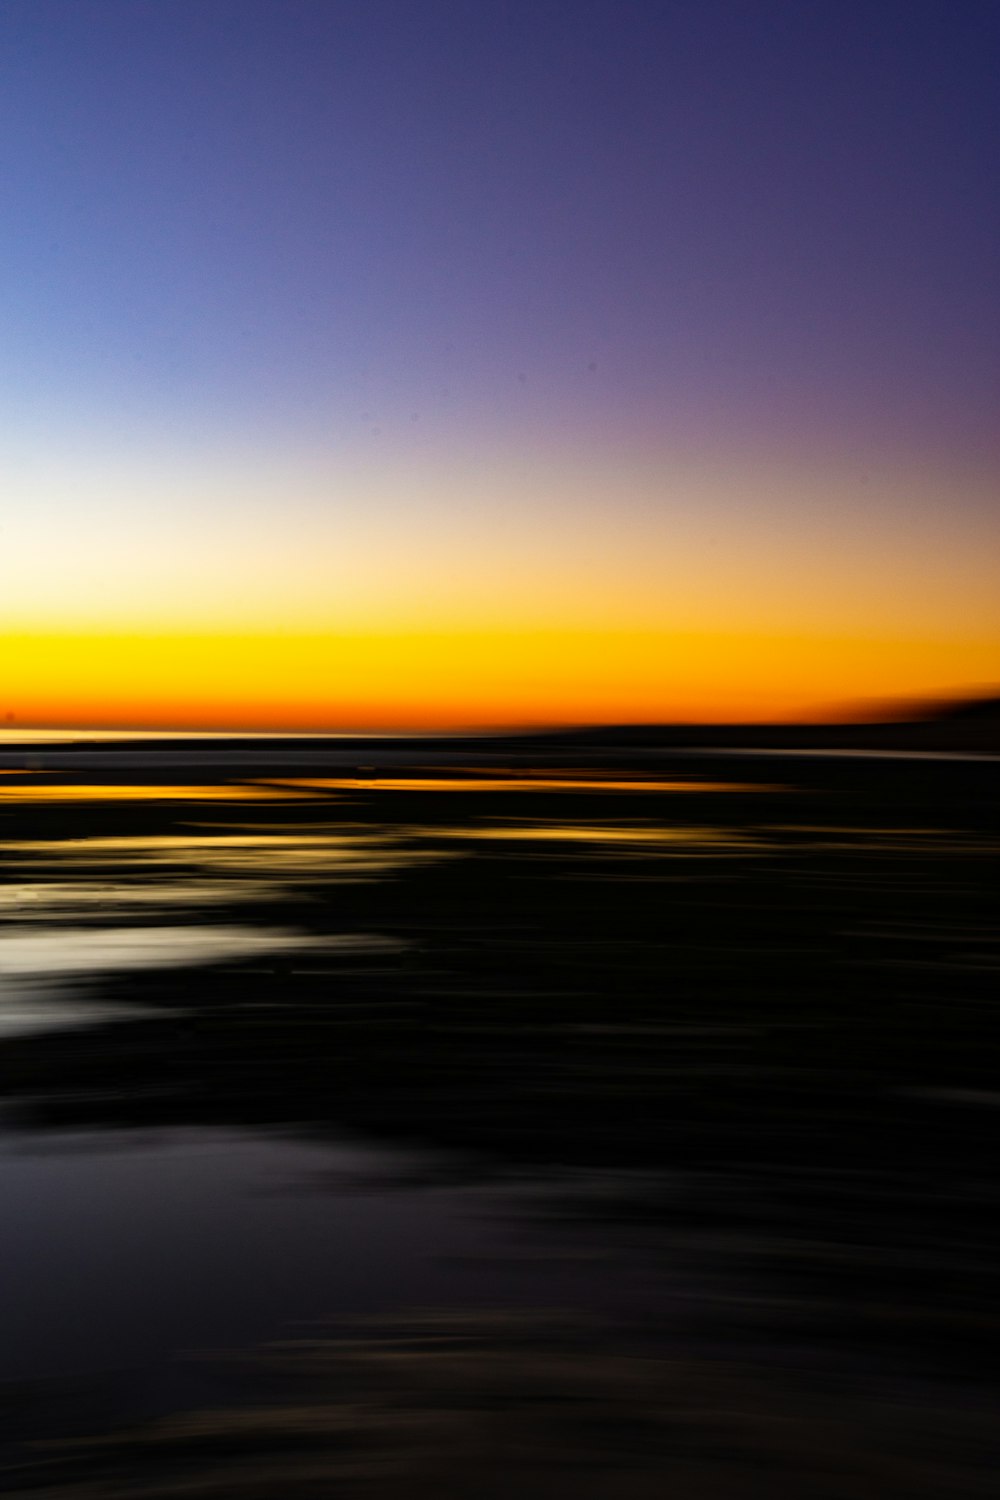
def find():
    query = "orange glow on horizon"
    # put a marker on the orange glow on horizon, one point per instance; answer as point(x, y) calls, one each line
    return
point(475, 679)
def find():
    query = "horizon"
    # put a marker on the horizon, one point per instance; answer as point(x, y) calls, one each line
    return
point(885, 714)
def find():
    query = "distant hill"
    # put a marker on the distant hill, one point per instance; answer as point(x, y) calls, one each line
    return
point(970, 726)
point(972, 711)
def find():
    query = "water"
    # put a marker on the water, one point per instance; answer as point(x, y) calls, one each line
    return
point(132, 1246)
point(704, 1055)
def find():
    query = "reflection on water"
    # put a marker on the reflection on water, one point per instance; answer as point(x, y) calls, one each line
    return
point(534, 1404)
point(278, 854)
point(541, 781)
point(104, 1270)
point(38, 964)
point(723, 1073)
point(61, 792)
point(690, 840)
point(75, 901)
point(31, 899)
point(90, 950)
point(33, 1005)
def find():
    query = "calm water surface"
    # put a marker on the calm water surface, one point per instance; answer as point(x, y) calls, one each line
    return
point(706, 1054)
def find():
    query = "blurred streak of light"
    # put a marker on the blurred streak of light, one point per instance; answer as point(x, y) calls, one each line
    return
point(82, 950)
point(712, 839)
point(31, 899)
point(96, 793)
point(274, 855)
point(539, 783)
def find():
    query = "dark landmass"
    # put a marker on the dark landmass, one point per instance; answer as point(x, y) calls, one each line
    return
point(966, 727)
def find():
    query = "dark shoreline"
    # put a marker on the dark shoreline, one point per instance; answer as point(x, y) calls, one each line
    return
point(966, 727)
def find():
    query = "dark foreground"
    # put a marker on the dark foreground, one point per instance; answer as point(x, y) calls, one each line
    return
point(618, 1126)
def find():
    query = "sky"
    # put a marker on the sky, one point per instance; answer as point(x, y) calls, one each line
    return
point(383, 364)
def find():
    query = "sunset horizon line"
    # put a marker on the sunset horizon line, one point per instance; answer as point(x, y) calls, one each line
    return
point(899, 711)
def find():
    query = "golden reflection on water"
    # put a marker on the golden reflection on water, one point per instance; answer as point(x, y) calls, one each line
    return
point(716, 839)
point(244, 792)
point(506, 783)
point(28, 897)
point(274, 854)
point(177, 841)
